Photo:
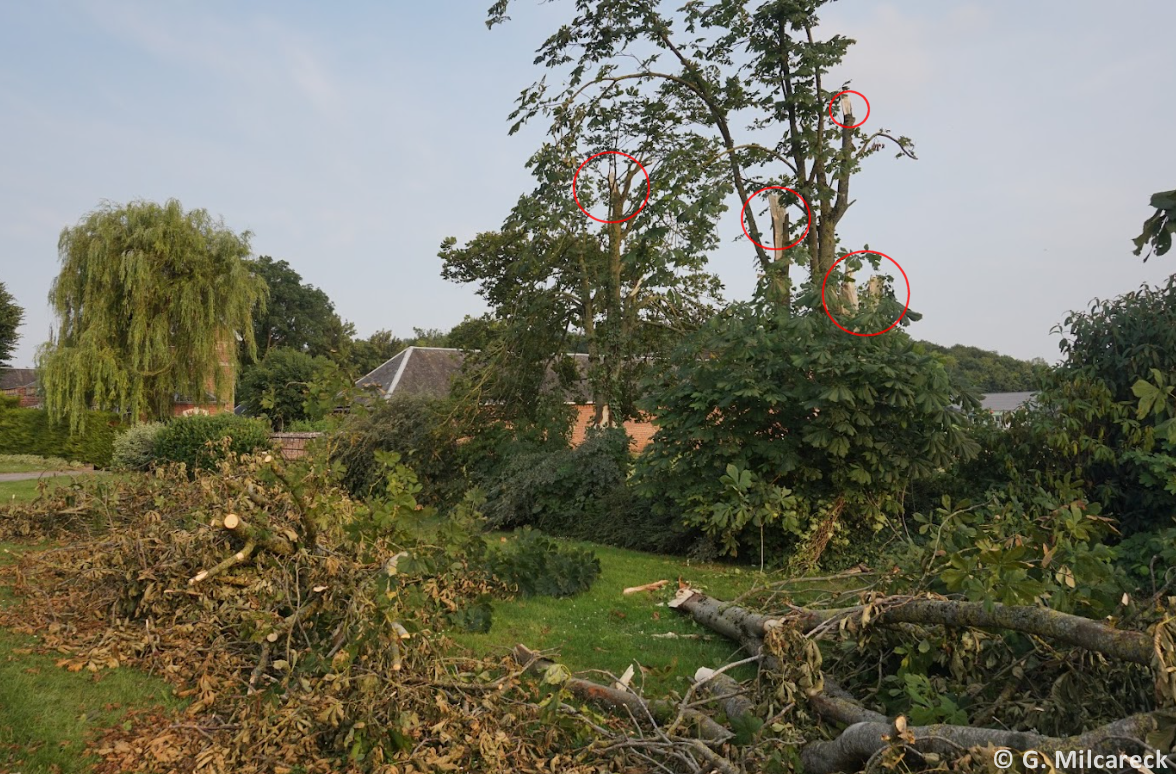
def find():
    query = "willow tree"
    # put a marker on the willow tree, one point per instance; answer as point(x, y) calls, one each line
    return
point(151, 302)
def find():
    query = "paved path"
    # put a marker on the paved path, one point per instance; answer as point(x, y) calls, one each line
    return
point(42, 474)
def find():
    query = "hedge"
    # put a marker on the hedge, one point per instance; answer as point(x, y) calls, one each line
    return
point(29, 431)
point(186, 439)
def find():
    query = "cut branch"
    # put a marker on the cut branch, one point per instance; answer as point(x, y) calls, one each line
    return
point(651, 711)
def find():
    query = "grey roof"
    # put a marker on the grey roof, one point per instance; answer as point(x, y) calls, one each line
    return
point(1001, 402)
point(15, 378)
point(429, 372)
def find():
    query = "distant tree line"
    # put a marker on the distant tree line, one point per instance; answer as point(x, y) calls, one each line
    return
point(985, 371)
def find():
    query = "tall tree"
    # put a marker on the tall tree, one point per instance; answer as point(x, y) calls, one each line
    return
point(718, 65)
point(151, 302)
point(624, 284)
point(11, 317)
point(296, 315)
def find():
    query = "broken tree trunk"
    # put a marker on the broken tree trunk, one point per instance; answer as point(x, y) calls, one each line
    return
point(854, 746)
point(743, 625)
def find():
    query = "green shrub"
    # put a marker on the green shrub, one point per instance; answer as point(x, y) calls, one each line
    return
point(536, 565)
point(30, 431)
point(135, 448)
point(581, 493)
point(419, 430)
point(778, 431)
point(186, 439)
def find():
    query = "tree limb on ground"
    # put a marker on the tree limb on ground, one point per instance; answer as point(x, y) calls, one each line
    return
point(742, 625)
point(660, 711)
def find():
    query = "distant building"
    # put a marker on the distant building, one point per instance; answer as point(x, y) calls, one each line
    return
point(429, 371)
point(21, 382)
point(1001, 403)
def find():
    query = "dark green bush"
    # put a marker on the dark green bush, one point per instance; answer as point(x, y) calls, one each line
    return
point(30, 431)
point(581, 493)
point(187, 439)
point(419, 430)
point(536, 565)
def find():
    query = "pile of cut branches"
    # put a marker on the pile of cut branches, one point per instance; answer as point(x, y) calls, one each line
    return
point(302, 626)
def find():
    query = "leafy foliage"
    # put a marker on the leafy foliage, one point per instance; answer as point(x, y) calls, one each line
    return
point(983, 371)
point(708, 70)
point(1159, 228)
point(200, 442)
point(31, 431)
point(279, 386)
point(150, 303)
point(420, 430)
point(580, 493)
point(536, 565)
point(1022, 550)
point(1101, 423)
point(295, 315)
point(778, 427)
point(134, 449)
point(11, 316)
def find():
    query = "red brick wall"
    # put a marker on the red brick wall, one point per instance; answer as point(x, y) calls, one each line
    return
point(640, 433)
point(28, 396)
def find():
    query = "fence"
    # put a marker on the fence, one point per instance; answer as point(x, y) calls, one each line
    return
point(293, 445)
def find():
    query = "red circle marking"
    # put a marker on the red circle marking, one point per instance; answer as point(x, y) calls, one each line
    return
point(602, 153)
point(743, 211)
point(849, 91)
point(847, 330)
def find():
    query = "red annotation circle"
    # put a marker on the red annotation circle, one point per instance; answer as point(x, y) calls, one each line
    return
point(743, 212)
point(602, 153)
point(842, 327)
point(848, 91)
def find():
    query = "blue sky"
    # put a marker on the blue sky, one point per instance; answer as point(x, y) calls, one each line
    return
point(352, 138)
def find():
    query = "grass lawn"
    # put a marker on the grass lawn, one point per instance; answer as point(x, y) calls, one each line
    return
point(27, 489)
point(28, 463)
point(603, 629)
point(47, 713)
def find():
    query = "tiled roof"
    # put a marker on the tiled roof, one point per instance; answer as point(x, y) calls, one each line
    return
point(1000, 402)
point(429, 372)
point(15, 378)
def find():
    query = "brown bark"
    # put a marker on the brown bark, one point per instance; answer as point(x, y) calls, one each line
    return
point(741, 624)
point(854, 746)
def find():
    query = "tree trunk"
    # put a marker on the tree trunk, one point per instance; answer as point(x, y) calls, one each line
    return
point(741, 624)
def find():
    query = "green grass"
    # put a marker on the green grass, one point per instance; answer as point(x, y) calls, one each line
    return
point(47, 714)
point(603, 629)
point(30, 463)
point(27, 489)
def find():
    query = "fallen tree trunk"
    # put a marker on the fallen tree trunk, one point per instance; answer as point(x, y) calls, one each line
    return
point(730, 695)
point(744, 626)
point(642, 710)
point(856, 744)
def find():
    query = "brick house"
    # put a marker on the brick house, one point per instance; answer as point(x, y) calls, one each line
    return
point(21, 382)
point(429, 372)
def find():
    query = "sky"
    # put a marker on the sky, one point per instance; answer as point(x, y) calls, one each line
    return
point(351, 139)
